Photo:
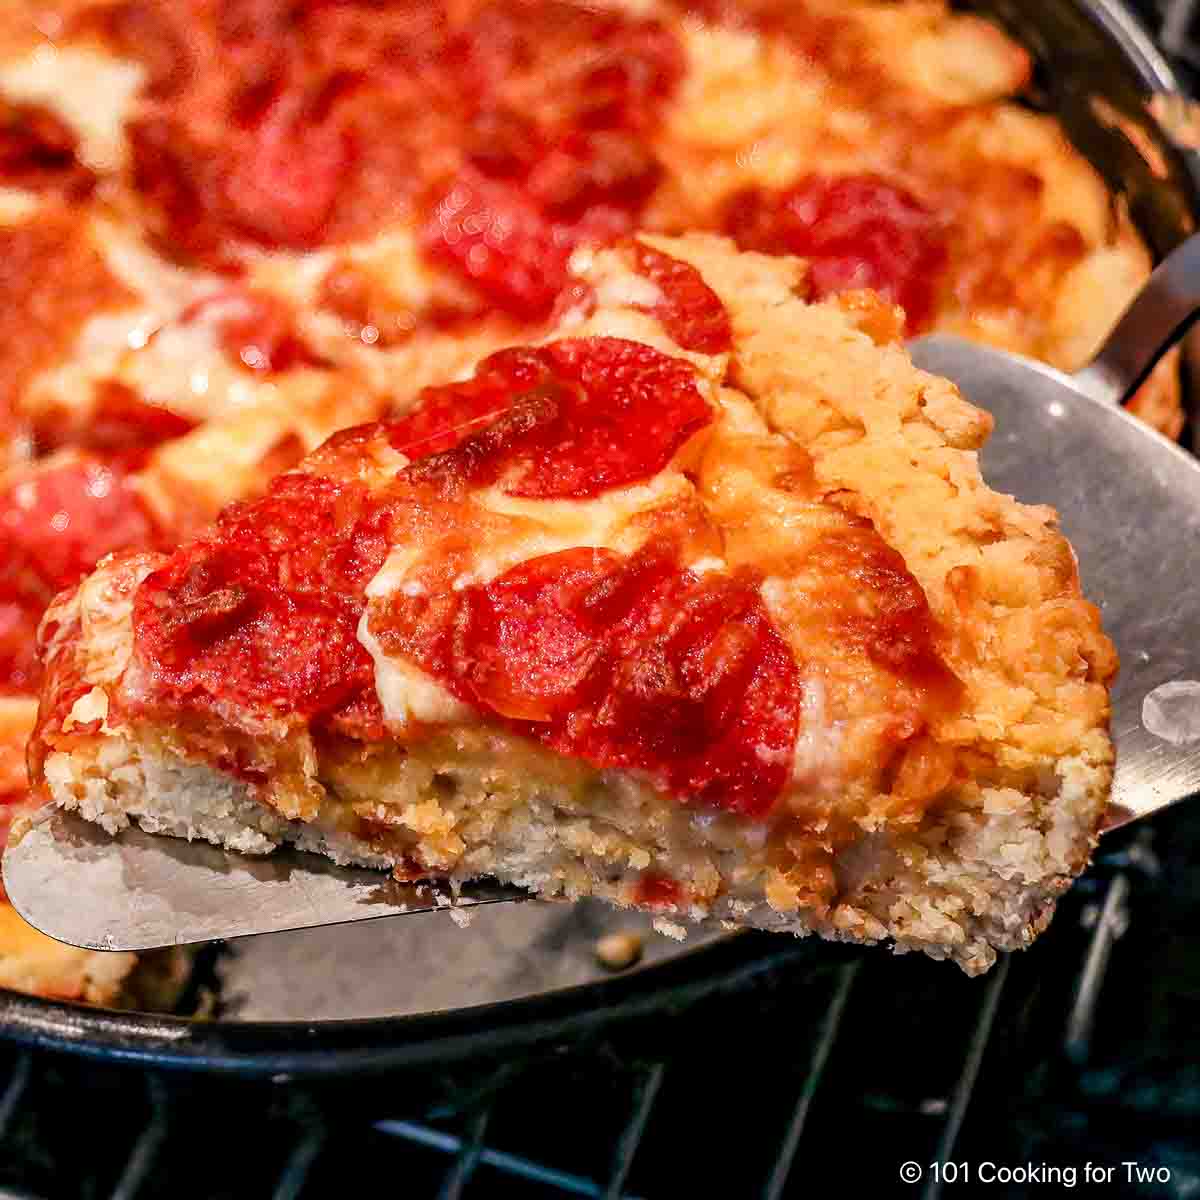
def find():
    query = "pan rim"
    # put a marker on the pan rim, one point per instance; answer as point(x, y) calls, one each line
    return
point(372, 1045)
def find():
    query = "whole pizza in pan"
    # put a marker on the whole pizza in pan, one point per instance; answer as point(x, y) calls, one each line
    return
point(230, 228)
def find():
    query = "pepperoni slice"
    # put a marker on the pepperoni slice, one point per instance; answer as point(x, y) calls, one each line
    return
point(883, 612)
point(530, 639)
point(691, 312)
point(120, 424)
point(56, 523)
point(282, 189)
point(610, 70)
point(329, 119)
point(257, 330)
point(491, 232)
point(626, 662)
point(446, 416)
point(586, 172)
point(534, 188)
point(309, 130)
point(502, 143)
point(263, 613)
point(512, 240)
point(54, 526)
point(576, 418)
point(857, 231)
point(148, 31)
point(20, 614)
point(38, 152)
point(633, 66)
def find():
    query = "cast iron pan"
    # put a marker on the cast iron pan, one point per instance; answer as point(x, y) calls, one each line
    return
point(415, 991)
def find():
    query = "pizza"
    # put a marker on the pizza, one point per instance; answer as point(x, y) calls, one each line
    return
point(230, 228)
point(698, 604)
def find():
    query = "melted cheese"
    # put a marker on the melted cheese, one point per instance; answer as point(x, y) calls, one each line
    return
point(627, 290)
point(177, 365)
point(295, 277)
point(773, 89)
point(185, 368)
point(404, 286)
point(548, 526)
point(393, 259)
point(16, 205)
point(817, 758)
point(407, 693)
point(93, 93)
point(104, 603)
point(163, 287)
point(189, 478)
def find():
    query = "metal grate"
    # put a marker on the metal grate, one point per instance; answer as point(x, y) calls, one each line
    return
point(920, 1062)
point(1178, 26)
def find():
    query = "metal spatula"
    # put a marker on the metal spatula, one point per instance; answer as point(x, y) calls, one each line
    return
point(1130, 504)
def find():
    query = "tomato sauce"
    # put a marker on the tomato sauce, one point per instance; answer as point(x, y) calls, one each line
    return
point(119, 425)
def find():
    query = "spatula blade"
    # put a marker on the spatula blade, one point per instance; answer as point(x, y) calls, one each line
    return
point(1129, 502)
point(138, 891)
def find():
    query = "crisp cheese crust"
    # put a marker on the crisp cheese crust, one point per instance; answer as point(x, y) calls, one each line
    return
point(698, 604)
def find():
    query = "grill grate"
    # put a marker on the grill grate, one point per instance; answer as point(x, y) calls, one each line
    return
point(1178, 24)
point(782, 1168)
point(922, 1063)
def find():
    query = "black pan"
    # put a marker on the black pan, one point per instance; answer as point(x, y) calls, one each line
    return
point(422, 993)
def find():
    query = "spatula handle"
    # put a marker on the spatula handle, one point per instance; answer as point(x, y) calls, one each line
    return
point(1158, 317)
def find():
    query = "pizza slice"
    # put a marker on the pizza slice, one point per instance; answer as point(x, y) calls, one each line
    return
point(698, 605)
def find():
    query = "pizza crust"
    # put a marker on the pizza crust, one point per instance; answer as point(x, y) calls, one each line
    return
point(961, 889)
